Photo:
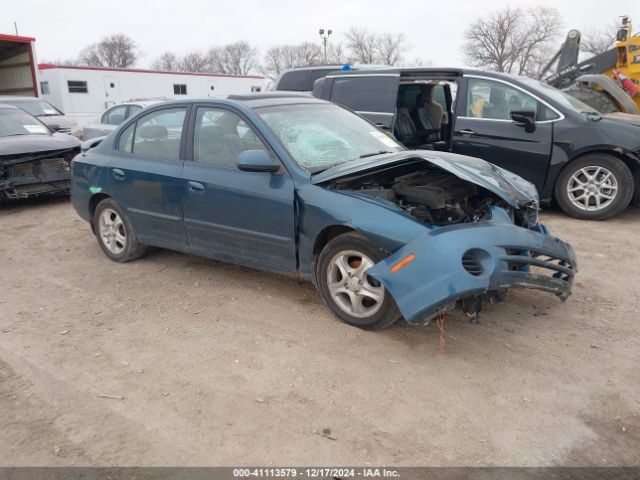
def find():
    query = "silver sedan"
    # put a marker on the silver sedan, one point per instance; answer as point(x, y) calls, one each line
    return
point(113, 117)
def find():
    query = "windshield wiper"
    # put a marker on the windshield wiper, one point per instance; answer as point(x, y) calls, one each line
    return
point(372, 154)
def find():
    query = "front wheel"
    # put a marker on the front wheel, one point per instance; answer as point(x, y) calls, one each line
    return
point(355, 297)
point(594, 187)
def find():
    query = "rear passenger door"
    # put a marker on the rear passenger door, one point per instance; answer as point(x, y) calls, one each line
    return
point(145, 176)
point(373, 96)
point(232, 215)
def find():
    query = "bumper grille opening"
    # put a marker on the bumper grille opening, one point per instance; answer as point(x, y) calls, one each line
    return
point(539, 263)
point(472, 264)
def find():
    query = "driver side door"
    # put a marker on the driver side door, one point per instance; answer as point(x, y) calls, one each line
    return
point(233, 215)
point(484, 128)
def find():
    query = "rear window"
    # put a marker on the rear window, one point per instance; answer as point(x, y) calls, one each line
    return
point(366, 93)
point(299, 81)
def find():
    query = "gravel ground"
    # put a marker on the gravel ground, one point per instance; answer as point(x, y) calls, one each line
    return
point(178, 360)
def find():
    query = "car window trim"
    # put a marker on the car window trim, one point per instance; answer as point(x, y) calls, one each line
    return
point(190, 144)
point(364, 75)
point(499, 80)
point(181, 151)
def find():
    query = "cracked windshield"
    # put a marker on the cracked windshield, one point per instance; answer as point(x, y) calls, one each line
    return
point(321, 136)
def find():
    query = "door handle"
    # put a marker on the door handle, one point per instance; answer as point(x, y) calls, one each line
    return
point(195, 187)
point(118, 174)
point(466, 131)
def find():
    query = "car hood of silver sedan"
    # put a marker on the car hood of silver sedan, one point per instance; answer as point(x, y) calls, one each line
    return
point(512, 188)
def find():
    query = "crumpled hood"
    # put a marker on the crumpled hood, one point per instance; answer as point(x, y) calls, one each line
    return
point(512, 188)
point(36, 143)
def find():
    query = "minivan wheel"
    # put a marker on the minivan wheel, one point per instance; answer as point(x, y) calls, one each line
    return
point(114, 232)
point(594, 187)
point(355, 297)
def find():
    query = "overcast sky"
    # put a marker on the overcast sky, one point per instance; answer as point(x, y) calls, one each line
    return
point(433, 28)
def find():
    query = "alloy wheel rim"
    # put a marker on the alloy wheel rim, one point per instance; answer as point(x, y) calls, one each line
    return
point(112, 231)
point(592, 188)
point(355, 292)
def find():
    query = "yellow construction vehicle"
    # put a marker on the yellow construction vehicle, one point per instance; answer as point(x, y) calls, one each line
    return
point(609, 82)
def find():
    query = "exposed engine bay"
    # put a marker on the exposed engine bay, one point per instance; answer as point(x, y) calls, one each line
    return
point(428, 193)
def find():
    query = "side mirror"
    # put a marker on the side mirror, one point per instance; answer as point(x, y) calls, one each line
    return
point(256, 161)
point(527, 118)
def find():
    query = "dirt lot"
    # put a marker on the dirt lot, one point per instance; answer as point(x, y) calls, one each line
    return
point(176, 360)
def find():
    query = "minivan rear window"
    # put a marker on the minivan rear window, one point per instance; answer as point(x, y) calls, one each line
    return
point(299, 81)
point(367, 93)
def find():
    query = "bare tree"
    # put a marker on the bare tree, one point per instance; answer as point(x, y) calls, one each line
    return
point(283, 57)
point(597, 41)
point(238, 58)
point(194, 62)
point(62, 62)
point(336, 54)
point(416, 62)
point(541, 26)
point(390, 48)
point(116, 51)
point(367, 47)
point(510, 40)
point(362, 45)
point(168, 62)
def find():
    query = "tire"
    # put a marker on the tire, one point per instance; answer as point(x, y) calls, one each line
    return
point(115, 233)
point(351, 297)
point(601, 101)
point(605, 178)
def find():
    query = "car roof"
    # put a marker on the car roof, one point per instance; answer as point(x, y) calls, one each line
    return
point(252, 100)
point(430, 71)
point(269, 99)
point(406, 71)
point(145, 103)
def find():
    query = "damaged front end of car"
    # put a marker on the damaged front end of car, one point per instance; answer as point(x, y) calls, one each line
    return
point(32, 174)
point(481, 232)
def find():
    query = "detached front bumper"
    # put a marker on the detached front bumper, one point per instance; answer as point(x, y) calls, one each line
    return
point(469, 260)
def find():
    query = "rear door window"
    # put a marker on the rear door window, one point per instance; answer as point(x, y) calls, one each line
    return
point(156, 135)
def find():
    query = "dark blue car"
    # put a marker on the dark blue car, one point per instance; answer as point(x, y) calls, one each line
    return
point(292, 184)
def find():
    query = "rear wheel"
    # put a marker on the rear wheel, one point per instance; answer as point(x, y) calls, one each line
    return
point(594, 187)
point(114, 232)
point(355, 297)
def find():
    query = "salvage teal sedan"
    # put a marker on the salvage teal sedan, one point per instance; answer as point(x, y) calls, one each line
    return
point(295, 185)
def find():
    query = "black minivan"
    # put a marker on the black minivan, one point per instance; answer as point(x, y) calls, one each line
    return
point(588, 162)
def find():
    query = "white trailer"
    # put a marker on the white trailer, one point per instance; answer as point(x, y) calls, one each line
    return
point(84, 93)
point(18, 73)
